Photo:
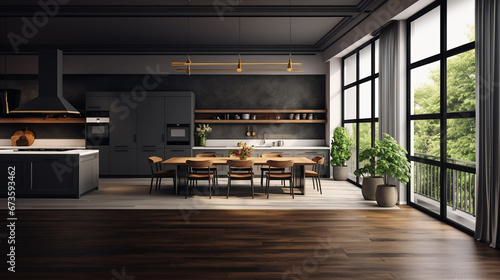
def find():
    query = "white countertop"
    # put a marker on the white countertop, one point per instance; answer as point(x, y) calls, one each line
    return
point(259, 144)
point(262, 148)
point(69, 152)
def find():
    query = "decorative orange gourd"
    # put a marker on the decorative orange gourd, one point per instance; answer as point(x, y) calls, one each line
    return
point(22, 138)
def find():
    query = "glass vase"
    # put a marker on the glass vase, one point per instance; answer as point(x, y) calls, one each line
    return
point(203, 141)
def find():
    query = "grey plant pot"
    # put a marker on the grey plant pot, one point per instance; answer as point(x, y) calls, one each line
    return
point(369, 187)
point(340, 173)
point(387, 196)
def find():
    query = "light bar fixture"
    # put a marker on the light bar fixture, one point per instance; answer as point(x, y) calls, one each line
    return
point(188, 64)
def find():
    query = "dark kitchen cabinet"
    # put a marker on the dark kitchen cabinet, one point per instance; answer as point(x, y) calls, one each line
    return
point(97, 103)
point(123, 124)
point(151, 125)
point(143, 167)
point(51, 175)
point(178, 109)
point(123, 161)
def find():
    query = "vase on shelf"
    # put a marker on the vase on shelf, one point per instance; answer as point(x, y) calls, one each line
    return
point(202, 141)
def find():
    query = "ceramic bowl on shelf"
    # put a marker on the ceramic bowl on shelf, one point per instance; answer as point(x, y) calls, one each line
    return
point(245, 116)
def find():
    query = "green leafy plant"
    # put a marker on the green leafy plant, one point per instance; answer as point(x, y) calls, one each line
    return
point(368, 157)
point(386, 158)
point(341, 151)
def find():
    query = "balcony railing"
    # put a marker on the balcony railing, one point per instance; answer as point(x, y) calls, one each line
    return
point(460, 185)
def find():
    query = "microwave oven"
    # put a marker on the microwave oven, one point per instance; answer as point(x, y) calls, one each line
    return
point(178, 134)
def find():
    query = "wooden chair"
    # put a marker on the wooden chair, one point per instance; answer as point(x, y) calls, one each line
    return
point(158, 173)
point(240, 170)
point(274, 173)
point(204, 172)
point(213, 168)
point(314, 173)
point(264, 167)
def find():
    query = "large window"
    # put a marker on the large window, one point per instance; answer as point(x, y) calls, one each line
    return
point(441, 110)
point(360, 100)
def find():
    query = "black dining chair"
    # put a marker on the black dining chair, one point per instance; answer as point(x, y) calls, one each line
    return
point(240, 170)
point(157, 173)
point(203, 172)
point(274, 173)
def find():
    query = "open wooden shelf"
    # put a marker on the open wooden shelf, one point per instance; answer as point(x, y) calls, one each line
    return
point(42, 120)
point(262, 116)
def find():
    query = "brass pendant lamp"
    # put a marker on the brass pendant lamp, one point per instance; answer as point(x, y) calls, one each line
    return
point(238, 64)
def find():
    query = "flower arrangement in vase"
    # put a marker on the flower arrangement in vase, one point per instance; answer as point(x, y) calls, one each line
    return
point(243, 152)
point(201, 133)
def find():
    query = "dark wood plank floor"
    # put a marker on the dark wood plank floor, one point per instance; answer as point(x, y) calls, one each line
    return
point(244, 244)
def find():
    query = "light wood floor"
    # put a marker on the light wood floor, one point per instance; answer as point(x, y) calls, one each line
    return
point(133, 193)
point(244, 244)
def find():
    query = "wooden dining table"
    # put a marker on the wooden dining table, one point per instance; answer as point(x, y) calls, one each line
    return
point(299, 164)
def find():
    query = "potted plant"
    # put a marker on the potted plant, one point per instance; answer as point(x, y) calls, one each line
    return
point(370, 167)
point(391, 161)
point(341, 152)
point(201, 133)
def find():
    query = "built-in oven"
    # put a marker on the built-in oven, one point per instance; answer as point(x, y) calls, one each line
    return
point(97, 128)
point(178, 134)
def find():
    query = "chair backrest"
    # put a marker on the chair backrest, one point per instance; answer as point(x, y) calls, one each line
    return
point(319, 162)
point(154, 159)
point(154, 163)
point(206, 155)
point(240, 163)
point(280, 163)
point(199, 163)
point(271, 155)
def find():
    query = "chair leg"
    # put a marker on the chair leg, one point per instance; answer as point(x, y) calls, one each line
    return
point(159, 184)
point(228, 186)
point(261, 177)
point(319, 186)
point(291, 188)
point(187, 187)
point(267, 187)
point(251, 186)
point(151, 185)
point(175, 185)
point(209, 188)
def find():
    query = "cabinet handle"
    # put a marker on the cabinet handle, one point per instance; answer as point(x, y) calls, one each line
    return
point(121, 150)
point(310, 152)
point(149, 146)
point(178, 150)
point(121, 146)
point(94, 107)
point(149, 150)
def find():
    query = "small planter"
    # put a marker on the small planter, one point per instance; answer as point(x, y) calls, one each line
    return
point(369, 188)
point(387, 196)
point(340, 173)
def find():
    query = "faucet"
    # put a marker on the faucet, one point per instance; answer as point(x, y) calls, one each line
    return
point(263, 141)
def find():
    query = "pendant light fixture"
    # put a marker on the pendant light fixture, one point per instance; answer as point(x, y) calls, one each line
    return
point(239, 64)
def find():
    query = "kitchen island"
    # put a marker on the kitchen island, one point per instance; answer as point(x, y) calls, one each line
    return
point(49, 172)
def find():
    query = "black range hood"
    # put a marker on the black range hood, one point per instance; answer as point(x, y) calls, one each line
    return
point(50, 99)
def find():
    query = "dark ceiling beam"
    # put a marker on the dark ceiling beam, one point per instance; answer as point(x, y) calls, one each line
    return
point(192, 11)
point(172, 50)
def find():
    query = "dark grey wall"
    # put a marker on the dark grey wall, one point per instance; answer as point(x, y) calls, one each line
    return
point(212, 92)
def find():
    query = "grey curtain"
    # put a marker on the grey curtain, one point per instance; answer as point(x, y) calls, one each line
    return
point(388, 85)
point(389, 97)
point(488, 121)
